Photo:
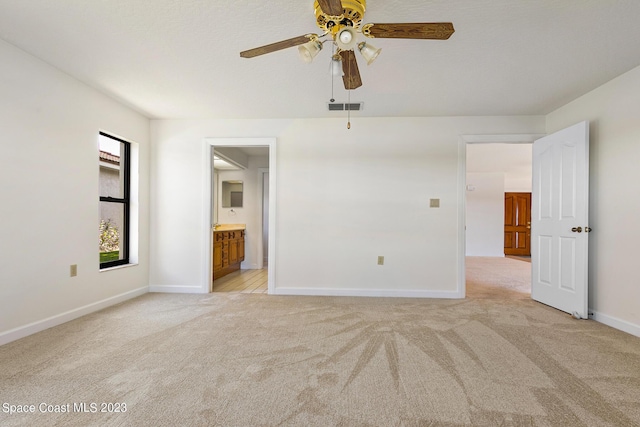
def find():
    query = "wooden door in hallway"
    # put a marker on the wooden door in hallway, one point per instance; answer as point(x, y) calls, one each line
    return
point(517, 223)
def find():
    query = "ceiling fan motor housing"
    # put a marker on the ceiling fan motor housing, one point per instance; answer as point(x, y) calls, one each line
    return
point(353, 12)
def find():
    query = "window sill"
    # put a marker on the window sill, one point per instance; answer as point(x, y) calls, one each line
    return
point(118, 267)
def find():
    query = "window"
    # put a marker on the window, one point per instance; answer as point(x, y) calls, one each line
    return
point(115, 155)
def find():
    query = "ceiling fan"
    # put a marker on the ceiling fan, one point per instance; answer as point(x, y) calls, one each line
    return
point(341, 21)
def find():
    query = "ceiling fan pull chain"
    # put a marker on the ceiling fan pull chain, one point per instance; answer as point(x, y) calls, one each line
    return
point(333, 78)
point(349, 109)
point(349, 100)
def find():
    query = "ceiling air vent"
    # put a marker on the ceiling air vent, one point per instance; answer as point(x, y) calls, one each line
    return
point(338, 106)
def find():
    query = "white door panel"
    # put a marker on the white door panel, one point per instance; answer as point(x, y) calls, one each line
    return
point(559, 220)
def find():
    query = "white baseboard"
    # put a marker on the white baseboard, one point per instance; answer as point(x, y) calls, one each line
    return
point(172, 289)
point(616, 323)
point(41, 325)
point(367, 293)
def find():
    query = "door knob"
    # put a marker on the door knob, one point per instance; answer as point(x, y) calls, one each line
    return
point(587, 229)
point(577, 229)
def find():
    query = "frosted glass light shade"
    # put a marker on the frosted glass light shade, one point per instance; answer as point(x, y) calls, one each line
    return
point(309, 50)
point(346, 38)
point(369, 52)
point(336, 66)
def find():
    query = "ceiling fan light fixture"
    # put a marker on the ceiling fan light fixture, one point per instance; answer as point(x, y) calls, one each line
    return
point(346, 38)
point(369, 52)
point(309, 50)
point(336, 66)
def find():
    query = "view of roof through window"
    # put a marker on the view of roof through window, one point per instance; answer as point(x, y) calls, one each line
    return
point(109, 145)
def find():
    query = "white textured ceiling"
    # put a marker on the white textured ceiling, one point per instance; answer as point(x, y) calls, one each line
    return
point(180, 58)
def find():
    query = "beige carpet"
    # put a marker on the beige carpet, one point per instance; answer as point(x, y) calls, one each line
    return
point(259, 360)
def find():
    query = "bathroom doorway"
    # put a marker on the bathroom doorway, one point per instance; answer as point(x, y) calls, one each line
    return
point(251, 163)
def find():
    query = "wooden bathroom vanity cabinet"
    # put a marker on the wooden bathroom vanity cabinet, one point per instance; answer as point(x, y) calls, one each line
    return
point(228, 249)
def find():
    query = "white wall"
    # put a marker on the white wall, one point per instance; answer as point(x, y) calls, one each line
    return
point(613, 111)
point(49, 210)
point(344, 197)
point(512, 159)
point(251, 211)
point(485, 214)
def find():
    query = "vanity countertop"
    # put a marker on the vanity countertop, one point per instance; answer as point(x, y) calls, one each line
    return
point(229, 227)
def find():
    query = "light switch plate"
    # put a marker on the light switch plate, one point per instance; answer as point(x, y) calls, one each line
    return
point(434, 203)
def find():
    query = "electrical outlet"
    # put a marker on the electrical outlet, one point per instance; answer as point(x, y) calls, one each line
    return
point(380, 260)
point(73, 270)
point(434, 203)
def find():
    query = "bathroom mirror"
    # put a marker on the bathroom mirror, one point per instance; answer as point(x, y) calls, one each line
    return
point(231, 194)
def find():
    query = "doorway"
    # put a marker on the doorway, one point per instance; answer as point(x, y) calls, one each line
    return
point(259, 155)
point(494, 166)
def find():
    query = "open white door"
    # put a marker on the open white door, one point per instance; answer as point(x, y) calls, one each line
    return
point(559, 220)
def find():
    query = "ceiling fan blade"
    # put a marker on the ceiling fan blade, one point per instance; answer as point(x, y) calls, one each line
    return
point(331, 7)
point(273, 47)
point(351, 76)
point(432, 31)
